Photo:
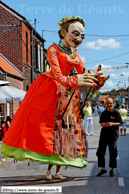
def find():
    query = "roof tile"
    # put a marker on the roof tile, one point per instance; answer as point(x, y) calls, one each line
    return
point(9, 68)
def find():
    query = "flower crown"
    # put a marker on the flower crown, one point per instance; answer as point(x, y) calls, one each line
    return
point(71, 18)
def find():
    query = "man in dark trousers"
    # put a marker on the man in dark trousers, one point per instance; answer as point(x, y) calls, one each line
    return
point(110, 121)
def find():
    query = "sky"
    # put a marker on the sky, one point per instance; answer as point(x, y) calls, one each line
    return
point(106, 31)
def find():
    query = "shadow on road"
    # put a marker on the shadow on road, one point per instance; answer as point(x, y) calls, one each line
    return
point(30, 180)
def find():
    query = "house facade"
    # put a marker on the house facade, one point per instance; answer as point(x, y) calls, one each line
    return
point(22, 52)
point(16, 44)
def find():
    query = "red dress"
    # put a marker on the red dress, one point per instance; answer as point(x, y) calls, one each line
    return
point(36, 130)
point(3, 131)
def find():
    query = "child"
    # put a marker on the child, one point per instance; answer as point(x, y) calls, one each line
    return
point(3, 132)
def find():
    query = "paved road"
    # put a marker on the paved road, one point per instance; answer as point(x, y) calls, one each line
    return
point(78, 181)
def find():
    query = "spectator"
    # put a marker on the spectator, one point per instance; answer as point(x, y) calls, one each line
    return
point(126, 107)
point(3, 131)
point(95, 111)
point(8, 122)
point(116, 105)
point(104, 107)
point(88, 119)
point(1, 117)
point(123, 113)
point(100, 110)
point(110, 121)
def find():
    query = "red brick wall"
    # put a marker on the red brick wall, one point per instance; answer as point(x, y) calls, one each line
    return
point(27, 75)
point(24, 45)
point(26, 50)
point(15, 83)
point(83, 90)
point(11, 41)
point(15, 106)
point(13, 47)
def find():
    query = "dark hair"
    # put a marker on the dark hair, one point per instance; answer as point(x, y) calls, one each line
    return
point(8, 119)
point(81, 103)
point(65, 27)
point(3, 121)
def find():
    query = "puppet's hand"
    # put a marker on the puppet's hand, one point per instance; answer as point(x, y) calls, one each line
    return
point(87, 79)
point(101, 77)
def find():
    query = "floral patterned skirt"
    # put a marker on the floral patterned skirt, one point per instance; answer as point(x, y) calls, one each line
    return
point(69, 137)
point(36, 132)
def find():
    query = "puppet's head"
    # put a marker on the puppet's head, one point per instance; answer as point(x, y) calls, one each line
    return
point(72, 31)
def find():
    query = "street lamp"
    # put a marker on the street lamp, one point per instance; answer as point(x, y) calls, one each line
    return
point(128, 86)
point(48, 31)
point(121, 83)
point(128, 79)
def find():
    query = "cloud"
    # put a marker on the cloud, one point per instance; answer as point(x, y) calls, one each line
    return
point(109, 82)
point(114, 76)
point(96, 66)
point(101, 45)
point(125, 74)
point(103, 66)
point(83, 59)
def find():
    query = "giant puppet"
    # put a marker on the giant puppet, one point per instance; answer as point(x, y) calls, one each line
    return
point(36, 132)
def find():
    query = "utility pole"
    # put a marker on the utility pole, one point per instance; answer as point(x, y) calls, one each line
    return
point(32, 59)
point(42, 33)
point(128, 95)
point(35, 23)
point(128, 87)
point(48, 31)
point(33, 50)
point(33, 46)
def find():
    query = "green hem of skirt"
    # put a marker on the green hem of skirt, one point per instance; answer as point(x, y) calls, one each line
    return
point(24, 155)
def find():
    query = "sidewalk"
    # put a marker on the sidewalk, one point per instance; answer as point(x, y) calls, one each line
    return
point(78, 180)
point(3, 158)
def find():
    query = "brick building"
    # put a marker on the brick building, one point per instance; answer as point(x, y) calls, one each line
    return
point(16, 43)
point(22, 47)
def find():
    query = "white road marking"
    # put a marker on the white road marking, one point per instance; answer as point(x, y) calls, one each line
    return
point(121, 181)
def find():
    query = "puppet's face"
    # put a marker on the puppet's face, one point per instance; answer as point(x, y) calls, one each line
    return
point(75, 35)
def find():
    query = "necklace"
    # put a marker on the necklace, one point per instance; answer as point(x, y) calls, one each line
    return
point(63, 48)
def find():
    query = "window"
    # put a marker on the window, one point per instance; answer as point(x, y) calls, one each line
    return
point(36, 55)
point(27, 88)
point(39, 57)
point(42, 59)
point(82, 97)
point(26, 47)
